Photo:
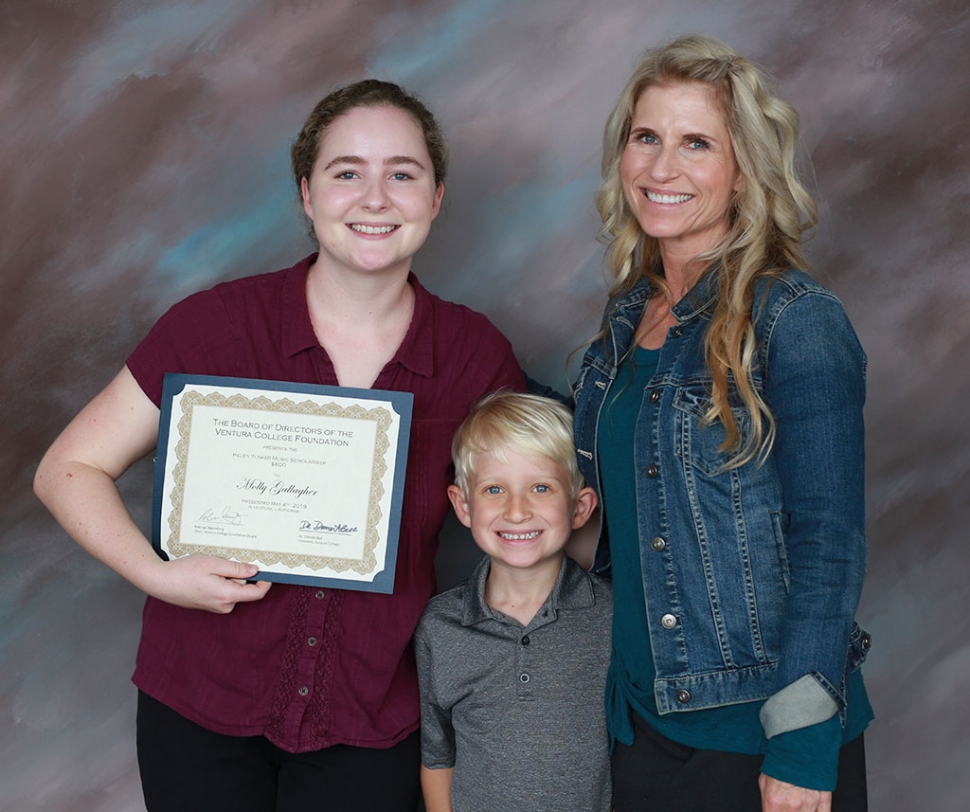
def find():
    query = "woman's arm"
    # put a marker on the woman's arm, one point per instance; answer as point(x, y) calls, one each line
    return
point(436, 786)
point(816, 391)
point(76, 481)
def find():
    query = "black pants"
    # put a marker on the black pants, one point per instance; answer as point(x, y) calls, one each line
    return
point(186, 768)
point(659, 775)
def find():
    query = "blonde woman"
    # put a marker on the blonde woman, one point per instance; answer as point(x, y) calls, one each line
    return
point(719, 417)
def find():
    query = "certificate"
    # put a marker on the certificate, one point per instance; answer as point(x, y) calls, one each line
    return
point(304, 481)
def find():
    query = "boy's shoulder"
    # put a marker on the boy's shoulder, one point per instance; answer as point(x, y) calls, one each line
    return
point(598, 581)
point(601, 586)
point(447, 609)
point(447, 604)
point(576, 576)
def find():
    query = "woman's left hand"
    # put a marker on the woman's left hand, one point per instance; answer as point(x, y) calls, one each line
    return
point(780, 796)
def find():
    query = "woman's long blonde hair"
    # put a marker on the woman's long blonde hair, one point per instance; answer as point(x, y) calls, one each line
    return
point(771, 213)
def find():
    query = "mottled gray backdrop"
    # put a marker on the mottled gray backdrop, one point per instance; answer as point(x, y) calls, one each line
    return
point(143, 155)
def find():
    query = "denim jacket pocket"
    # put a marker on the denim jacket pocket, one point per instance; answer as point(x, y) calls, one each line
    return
point(699, 445)
point(779, 522)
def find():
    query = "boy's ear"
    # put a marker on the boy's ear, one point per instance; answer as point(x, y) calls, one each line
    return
point(586, 502)
point(460, 504)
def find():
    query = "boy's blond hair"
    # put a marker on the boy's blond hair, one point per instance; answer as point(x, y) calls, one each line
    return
point(519, 422)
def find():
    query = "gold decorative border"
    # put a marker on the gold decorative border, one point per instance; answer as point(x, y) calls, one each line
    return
point(380, 415)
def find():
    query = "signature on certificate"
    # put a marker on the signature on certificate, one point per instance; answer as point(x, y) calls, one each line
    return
point(229, 516)
point(316, 526)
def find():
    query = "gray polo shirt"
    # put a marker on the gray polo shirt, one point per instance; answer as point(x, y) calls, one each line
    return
point(518, 712)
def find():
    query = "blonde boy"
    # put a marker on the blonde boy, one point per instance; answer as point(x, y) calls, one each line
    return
point(512, 663)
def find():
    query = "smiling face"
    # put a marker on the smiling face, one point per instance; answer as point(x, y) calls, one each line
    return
point(521, 510)
point(372, 194)
point(678, 169)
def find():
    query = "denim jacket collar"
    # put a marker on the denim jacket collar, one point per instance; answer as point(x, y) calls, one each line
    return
point(699, 298)
point(624, 311)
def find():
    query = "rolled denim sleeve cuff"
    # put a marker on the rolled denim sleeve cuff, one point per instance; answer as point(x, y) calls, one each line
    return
point(803, 703)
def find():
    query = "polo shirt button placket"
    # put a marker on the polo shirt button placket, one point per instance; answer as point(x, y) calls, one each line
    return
point(523, 666)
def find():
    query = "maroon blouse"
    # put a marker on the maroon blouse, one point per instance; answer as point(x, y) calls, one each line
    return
point(310, 668)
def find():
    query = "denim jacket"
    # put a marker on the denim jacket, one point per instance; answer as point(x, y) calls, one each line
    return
point(751, 576)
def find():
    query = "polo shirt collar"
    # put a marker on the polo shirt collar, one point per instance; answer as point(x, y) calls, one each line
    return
point(572, 590)
point(416, 351)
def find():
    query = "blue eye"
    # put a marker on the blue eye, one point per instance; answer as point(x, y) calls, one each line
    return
point(493, 489)
point(347, 175)
point(541, 489)
point(698, 143)
point(400, 176)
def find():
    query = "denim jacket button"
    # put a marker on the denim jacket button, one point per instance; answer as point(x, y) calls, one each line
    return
point(652, 471)
point(677, 331)
point(658, 543)
point(866, 640)
point(668, 621)
point(683, 696)
point(655, 396)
